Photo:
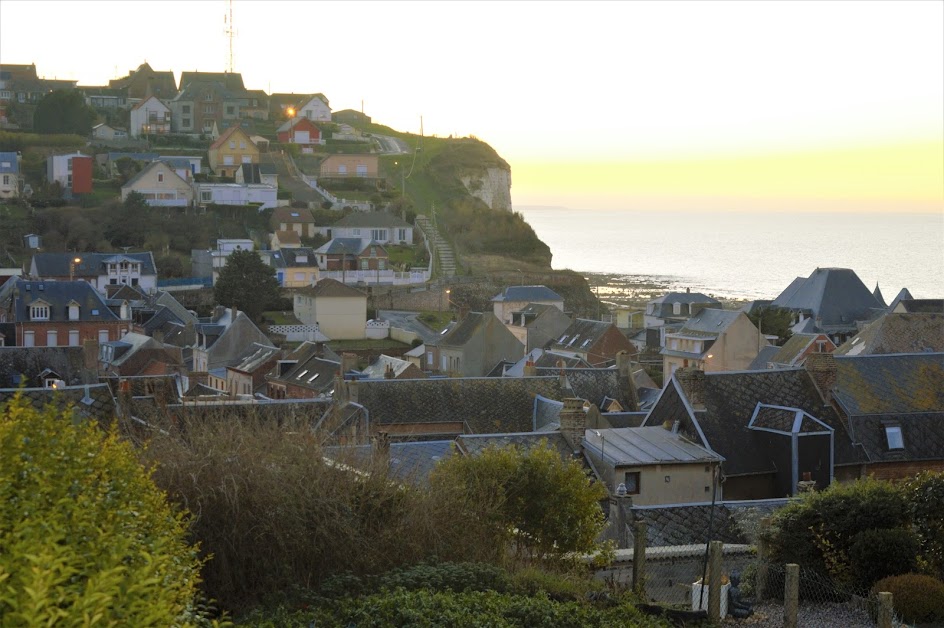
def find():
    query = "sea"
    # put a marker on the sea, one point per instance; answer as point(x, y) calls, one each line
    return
point(740, 255)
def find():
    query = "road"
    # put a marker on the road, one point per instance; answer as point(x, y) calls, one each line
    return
point(408, 321)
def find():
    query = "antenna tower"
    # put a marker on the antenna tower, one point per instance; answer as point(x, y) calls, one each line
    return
point(230, 33)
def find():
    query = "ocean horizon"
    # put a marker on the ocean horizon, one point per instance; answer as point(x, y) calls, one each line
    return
point(739, 255)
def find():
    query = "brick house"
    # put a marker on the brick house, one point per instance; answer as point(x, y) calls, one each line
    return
point(352, 254)
point(596, 342)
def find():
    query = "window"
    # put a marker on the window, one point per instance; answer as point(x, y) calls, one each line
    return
point(230, 110)
point(361, 170)
point(206, 196)
point(39, 312)
point(232, 144)
point(401, 235)
point(186, 123)
point(160, 177)
point(208, 97)
point(299, 276)
point(208, 109)
point(29, 338)
point(631, 480)
point(342, 169)
point(382, 264)
point(185, 109)
point(893, 435)
point(52, 338)
point(73, 311)
point(73, 337)
point(102, 335)
point(242, 145)
point(364, 264)
point(6, 179)
point(357, 232)
point(378, 234)
point(676, 308)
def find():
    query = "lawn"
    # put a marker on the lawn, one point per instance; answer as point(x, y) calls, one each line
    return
point(281, 318)
point(436, 321)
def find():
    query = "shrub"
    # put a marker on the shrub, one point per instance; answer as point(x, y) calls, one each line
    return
point(876, 554)
point(925, 495)
point(456, 577)
point(84, 533)
point(917, 598)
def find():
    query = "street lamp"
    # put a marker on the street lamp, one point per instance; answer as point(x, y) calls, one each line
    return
point(72, 263)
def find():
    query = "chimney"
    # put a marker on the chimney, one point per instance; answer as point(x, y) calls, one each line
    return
point(822, 368)
point(624, 367)
point(90, 350)
point(573, 422)
point(530, 370)
point(388, 372)
point(348, 363)
point(692, 381)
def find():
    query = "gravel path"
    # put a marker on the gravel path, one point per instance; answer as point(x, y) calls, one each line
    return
point(809, 616)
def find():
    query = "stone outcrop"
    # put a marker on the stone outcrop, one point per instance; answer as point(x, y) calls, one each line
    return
point(493, 187)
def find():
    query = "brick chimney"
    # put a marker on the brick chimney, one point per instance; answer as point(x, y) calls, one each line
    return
point(624, 367)
point(348, 363)
point(692, 381)
point(573, 422)
point(822, 368)
point(530, 370)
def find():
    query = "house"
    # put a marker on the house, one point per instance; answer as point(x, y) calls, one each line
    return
point(160, 185)
point(150, 117)
point(100, 270)
point(339, 311)
point(677, 307)
point(387, 367)
point(893, 407)
point(381, 227)
point(108, 133)
point(294, 219)
point(299, 130)
point(221, 341)
point(793, 352)
point(657, 465)
point(136, 355)
point(408, 463)
point(899, 333)
point(207, 102)
point(59, 313)
point(352, 254)
point(346, 166)
point(596, 342)
point(538, 324)
point(231, 150)
point(9, 175)
point(143, 82)
point(287, 240)
point(72, 172)
point(713, 340)
point(628, 317)
point(314, 108)
point(184, 165)
point(309, 372)
point(264, 174)
point(515, 298)
point(84, 403)
point(33, 365)
point(259, 196)
point(295, 267)
point(248, 376)
point(771, 428)
point(832, 301)
point(103, 97)
point(914, 306)
point(473, 347)
point(207, 263)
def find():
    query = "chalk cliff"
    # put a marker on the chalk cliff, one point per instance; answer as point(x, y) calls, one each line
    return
point(493, 187)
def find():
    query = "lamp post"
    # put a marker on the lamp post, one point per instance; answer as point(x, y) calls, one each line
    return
point(72, 263)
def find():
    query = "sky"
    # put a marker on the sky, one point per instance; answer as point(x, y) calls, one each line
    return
point(743, 106)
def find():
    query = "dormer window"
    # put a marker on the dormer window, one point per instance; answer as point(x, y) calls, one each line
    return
point(39, 312)
point(676, 308)
point(894, 438)
point(73, 311)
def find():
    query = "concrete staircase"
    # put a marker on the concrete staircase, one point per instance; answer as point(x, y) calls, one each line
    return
point(439, 248)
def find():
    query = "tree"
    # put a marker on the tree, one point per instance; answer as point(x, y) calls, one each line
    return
point(773, 320)
point(248, 284)
point(64, 111)
point(85, 535)
point(537, 503)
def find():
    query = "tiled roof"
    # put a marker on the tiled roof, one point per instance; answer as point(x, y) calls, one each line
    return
point(9, 163)
point(528, 294)
point(159, 165)
point(371, 220)
point(328, 287)
point(224, 137)
point(644, 446)
point(898, 333)
point(287, 237)
point(410, 463)
point(291, 215)
point(58, 295)
point(922, 435)
point(484, 405)
point(595, 384)
point(93, 401)
point(835, 295)
point(890, 384)
point(92, 264)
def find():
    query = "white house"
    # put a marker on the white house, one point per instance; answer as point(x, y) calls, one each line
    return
point(150, 117)
point(99, 269)
point(381, 227)
point(106, 132)
point(160, 185)
point(339, 311)
point(265, 196)
point(9, 175)
point(316, 109)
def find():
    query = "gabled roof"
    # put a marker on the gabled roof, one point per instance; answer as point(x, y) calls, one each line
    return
point(291, 123)
point(902, 295)
point(371, 220)
point(926, 306)
point(378, 369)
point(291, 215)
point(646, 446)
point(765, 355)
point(890, 384)
point(328, 287)
point(58, 295)
point(231, 80)
point(313, 371)
point(835, 295)
point(789, 354)
point(255, 356)
point(300, 257)
point(228, 133)
point(287, 238)
point(145, 101)
point(710, 321)
point(898, 333)
point(92, 265)
point(528, 294)
point(581, 335)
point(922, 437)
point(346, 246)
point(410, 463)
point(152, 166)
point(9, 163)
point(464, 330)
point(685, 297)
point(484, 405)
point(232, 336)
point(92, 401)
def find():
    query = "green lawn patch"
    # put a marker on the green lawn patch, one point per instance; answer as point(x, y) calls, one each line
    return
point(436, 321)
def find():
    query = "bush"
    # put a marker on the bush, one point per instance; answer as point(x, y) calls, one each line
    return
point(84, 533)
point(876, 554)
point(455, 577)
point(925, 495)
point(917, 598)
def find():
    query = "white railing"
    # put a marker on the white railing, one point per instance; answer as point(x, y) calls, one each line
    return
point(377, 276)
point(377, 330)
point(296, 333)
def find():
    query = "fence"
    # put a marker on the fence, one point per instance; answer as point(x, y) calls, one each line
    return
point(185, 283)
point(388, 277)
point(298, 333)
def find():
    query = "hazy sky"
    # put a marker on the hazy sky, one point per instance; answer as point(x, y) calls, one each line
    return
point(695, 105)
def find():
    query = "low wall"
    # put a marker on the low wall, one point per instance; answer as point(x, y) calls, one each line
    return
point(403, 335)
point(432, 299)
point(377, 330)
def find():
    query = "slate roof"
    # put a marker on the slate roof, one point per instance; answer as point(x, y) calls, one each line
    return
point(22, 365)
point(645, 446)
point(624, 419)
point(789, 353)
point(547, 414)
point(251, 173)
point(328, 287)
point(903, 295)
point(230, 340)
point(58, 295)
point(410, 463)
point(9, 163)
point(475, 444)
point(314, 370)
point(927, 306)
point(835, 295)
point(528, 294)
point(593, 384)
point(255, 356)
point(733, 523)
point(152, 166)
point(581, 335)
point(463, 331)
point(485, 405)
point(710, 322)
point(345, 246)
point(890, 384)
point(378, 368)
point(922, 435)
point(898, 333)
point(685, 297)
point(371, 219)
point(93, 401)
point(92, 264)
point(233, 81)
point(291, 215)
point(300, 257)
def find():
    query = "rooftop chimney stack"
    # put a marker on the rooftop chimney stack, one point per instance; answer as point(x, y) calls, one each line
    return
point(573, 422)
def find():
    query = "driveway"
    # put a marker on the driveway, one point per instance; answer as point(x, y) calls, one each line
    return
point(408, 321)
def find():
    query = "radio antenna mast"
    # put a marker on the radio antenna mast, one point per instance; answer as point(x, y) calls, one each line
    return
point(230, 33)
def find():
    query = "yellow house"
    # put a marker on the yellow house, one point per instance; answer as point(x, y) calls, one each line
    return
point(340, 311)
point(231, 150)
point(294, 267)
point(350, 166)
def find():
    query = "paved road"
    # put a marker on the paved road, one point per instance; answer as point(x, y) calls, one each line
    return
point(408, 321)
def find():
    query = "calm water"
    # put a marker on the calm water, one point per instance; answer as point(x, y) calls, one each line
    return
point(742, 255)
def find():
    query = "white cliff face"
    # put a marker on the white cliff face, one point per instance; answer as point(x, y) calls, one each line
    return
point(494, 188)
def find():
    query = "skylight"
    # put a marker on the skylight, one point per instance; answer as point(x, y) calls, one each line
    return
point(563, 339)
point(313, 377)
point(893, 435)
point(302, 374)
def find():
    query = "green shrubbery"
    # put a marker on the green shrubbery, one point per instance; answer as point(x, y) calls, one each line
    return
point(925, 497)
point(876, 554)
point(85, 536)
point(917, 598)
